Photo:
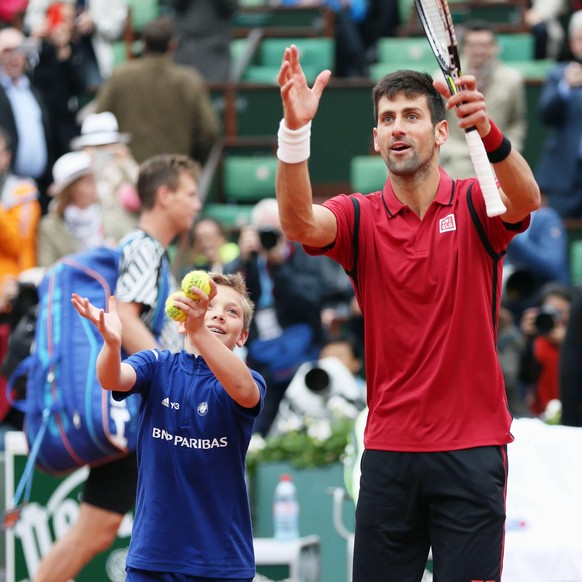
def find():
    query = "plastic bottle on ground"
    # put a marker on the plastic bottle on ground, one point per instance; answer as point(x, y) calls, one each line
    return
point(285, 510)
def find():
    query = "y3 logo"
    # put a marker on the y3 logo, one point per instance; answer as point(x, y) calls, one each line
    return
point(173, 405)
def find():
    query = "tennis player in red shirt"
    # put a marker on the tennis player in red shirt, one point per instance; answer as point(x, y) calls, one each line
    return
point(425, 261)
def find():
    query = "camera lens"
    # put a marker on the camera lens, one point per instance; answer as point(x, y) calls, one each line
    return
point(269, 238)
point(546, 320)
point(317, 380)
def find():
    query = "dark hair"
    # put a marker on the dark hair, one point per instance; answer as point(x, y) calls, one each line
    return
point(158, 34)
point(163, 170)
point(411, 84)
point(557, 289)
point(5, 139)
point(343, 336)
point(476, 26)
point(212, 220)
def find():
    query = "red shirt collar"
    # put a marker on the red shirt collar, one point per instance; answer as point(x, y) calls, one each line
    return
point(444, 194)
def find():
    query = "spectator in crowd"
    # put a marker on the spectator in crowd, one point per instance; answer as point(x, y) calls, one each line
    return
point(338, 300)
point(510, 347)
point(204, 29)
point(99, 23)
point(559, 172)
point(23, 114)
point(350, 46)
point(287, 289)
point(504, 91)
point(169, 199)
point(60, 76)
point(543, 19)
point(544, 329)
point(19, 216)
point(12, 12)
point(74, 221)
point(534, 258)
point(164, 106)
point(382, 19)
point(570, 367)
point(210, 249)
point(115, 170)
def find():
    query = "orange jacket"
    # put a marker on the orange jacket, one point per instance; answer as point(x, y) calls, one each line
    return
point(19, 216)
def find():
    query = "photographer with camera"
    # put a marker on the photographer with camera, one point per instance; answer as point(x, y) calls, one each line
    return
point(325, 390)
point(288, 289)
point(544, 329)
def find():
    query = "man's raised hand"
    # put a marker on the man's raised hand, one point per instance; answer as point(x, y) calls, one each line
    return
point(300, 102)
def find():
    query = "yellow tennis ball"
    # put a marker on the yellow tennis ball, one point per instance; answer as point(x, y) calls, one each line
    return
point(172, 311)
point(198, 279)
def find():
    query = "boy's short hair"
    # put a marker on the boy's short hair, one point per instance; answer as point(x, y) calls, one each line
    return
point(236, 281)
point(163, 170)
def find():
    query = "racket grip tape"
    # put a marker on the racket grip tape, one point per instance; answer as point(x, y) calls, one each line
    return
point(484, 172)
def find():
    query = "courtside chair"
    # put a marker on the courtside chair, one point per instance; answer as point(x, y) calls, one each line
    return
point(316, 54)
point(248, 179)
point(367, 174)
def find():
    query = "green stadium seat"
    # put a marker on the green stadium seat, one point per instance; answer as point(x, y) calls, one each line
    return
point(237, 47)
point(252, 3)
point(312, 51)
point(378, 70)
point(405, 9)
point(142, 11)
point(515, 46)
point(367, 174)
point(576, 262)
point(533, 70)
point(231, 216)
point(396, 50)
point(316, 55)
point(248, 179)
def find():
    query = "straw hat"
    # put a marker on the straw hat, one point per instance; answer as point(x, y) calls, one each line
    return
point(99, 129)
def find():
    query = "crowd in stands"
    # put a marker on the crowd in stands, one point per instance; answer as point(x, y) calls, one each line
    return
point(74, 129)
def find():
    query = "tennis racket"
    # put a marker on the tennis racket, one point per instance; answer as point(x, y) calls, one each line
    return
point(437, 23)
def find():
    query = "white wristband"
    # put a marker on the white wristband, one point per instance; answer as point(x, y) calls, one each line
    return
point(294, 144)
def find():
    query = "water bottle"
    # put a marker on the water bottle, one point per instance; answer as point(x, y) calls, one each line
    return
point(285, 510)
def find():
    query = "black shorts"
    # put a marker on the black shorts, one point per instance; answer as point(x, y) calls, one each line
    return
point(451, 501)
point(135, 575)
point(113, 486)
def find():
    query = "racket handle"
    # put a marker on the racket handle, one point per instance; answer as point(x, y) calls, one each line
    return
point(484, 172)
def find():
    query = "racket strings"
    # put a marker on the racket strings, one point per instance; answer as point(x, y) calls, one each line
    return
point(434, 23)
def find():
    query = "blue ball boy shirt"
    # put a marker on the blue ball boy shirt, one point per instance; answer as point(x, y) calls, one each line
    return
point(192, 511)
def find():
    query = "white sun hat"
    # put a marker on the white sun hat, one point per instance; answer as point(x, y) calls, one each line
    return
point(68, 168)
point(99, 129)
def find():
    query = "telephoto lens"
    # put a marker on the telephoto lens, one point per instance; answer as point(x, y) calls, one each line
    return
point(269, 237)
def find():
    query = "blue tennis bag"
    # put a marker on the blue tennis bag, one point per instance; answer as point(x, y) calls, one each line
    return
point(70, 421)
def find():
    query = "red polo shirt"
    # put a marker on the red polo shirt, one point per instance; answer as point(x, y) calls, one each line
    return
point(430, 291)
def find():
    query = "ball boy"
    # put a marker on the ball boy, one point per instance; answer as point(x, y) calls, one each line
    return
point(198, 407)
